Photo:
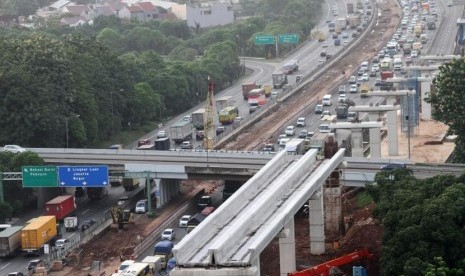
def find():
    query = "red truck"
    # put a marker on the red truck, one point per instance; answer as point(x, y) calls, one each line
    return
point(60, 207)
point(386, 75)
point(246, 87)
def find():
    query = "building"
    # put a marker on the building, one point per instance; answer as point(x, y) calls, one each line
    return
point(206, 15)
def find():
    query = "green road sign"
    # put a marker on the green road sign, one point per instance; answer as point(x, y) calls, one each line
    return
point(40, 176)
point(288, 38)
point(264, 39)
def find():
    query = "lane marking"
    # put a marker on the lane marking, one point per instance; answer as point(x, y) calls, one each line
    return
point(5, 266)
point(85, 211)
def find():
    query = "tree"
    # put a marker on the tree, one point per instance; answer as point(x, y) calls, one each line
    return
point(6, 211)
point(446, 99)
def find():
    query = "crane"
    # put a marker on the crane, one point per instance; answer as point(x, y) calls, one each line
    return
point(323, 269)
point(209, 118)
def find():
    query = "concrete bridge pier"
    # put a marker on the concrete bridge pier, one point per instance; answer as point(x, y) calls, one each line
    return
point(287, 258)
point(317, 224)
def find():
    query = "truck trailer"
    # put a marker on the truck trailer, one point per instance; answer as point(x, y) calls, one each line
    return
point(10, 241)
point(181, 131)
point(60, 206)
point(246, 87)
point(223, 102)
point(162, 144)
point(38, 232)
point(164, 251)
point(198, 120)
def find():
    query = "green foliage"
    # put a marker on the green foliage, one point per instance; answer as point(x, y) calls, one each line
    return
point(363, 199)
point(6, 211)
point(447, 98)
point(422, 220)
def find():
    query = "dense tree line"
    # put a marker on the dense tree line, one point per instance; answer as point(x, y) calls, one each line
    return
point(423, 222)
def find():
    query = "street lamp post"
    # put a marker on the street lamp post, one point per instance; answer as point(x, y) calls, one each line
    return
point(66, 128)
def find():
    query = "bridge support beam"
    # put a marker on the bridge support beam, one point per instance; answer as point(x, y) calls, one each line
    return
point(287, 249)
point(317, 224)
point(357, 143)
point(333, 211)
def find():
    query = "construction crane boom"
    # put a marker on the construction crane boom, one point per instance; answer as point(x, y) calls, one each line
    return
point(323, 269)
point(209, 119)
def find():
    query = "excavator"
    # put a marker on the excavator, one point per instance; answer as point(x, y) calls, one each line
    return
point(324, 268)
point(121, 217)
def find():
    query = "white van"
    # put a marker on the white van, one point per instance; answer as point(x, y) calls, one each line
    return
point(364, 66)
point(326, 100)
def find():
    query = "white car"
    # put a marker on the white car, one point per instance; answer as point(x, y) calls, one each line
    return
point(61, 243)
point(289, 131)
point(161, 134)
point(365, 77)
point(168, 234)
point(184, 220)
point(301, 122)
point(141, 206)
point(342, 98)
point(353, 88)
point(324, 44)
point(326, 100)
point(414, 54)
point(375, 67)
point(13, 148)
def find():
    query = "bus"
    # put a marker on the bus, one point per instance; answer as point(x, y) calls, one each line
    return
point(137, 269)
point(228, 114)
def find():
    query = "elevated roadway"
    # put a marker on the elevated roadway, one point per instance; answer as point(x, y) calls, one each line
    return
point(238, 231)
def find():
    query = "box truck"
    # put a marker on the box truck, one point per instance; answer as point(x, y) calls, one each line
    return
point(60, 207)
point(10, 241)
point(38, 232)
point(162, 144)
point(198, 118)
point(181, 131)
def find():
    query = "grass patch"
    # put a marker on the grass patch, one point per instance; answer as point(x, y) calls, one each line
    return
point(363, 199)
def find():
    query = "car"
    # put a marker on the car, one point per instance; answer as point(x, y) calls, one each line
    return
point(116, 146)
point(342, 89)
point(354, 34)
point(310, 134)
point(324, 44)
point(373, 73)
point(320, 62)
point(220, 130)
point(450, 3)
point(323, 53)
point(360, 72)
point(345, 35)
point(393, 166)
point(352, 80)
point(122, 200)
point(381, 54)
point(325, 112)
point(34, 263)
point(187, 118)
point(353, 88)
point(15, 274)
point(61, 243)
point(326, 100)
point(345, 41)
point(86, 224)
point(342, 98)
point(141, 206)
point(199, 135)
point(124, 265)
point(168, 234)
point(414, 54)
point(268, 147)
point(318, 109)
point(365, 77)
point(378, 82)
point(375, 67)
point(335, 36)
point(162, 134)
point(143, 142)
point(204, 201)
point(289, 131)
point(184, 220)
point(187, 145)
point(303, 133)
point(13, 149)
point(359, 81)
point(408, 60)
point(300, 122)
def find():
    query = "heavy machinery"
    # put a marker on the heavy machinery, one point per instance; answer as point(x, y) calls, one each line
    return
point(324, 268)
point(121, 216)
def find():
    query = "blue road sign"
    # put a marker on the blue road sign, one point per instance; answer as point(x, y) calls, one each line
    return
point(83, 176)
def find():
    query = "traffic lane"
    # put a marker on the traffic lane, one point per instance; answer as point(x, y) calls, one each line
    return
point(181, 232)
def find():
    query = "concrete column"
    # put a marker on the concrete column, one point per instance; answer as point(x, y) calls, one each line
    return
point(157, 192)
point(357, 143)
point(256, 263)
point(425, 107)
point(41, 197)
point(375, 142)
point(317, 224)
point(333, 211)
point(392, 139)
point(163, 193)
point(287, 249)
